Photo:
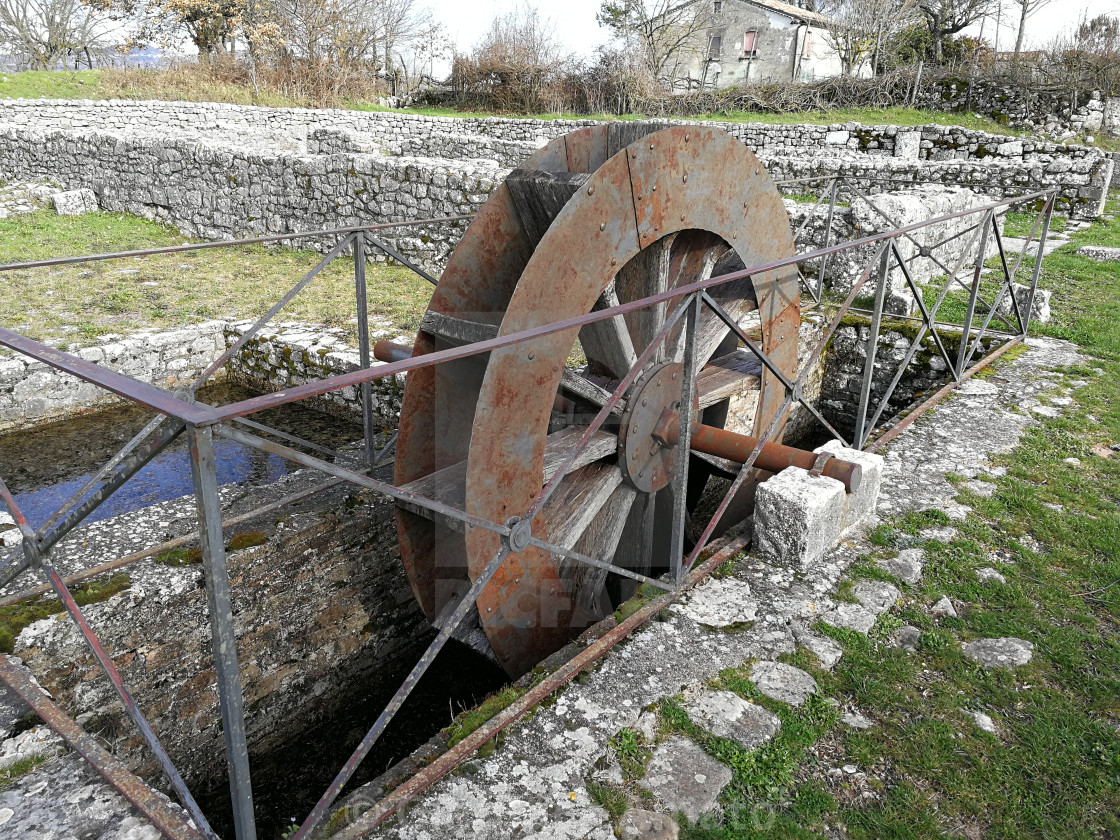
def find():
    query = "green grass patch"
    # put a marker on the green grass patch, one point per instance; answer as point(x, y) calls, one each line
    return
point(470, 720)
point(763, 778)
point(1053, 768)
point(15, 617)
point(9, 774)
point(79, 303)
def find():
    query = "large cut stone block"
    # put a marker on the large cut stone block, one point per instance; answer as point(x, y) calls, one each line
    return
point(860, 505)
point(1040, 311)
point(798, 517)
point(75, 202)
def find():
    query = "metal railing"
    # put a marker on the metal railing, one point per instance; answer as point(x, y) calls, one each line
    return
point(181, 414)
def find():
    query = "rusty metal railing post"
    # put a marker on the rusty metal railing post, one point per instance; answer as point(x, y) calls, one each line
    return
point(859, 437)
point(363, 344)
point(1048, 213)
point(680, 482)
point(974, 293)
point(223, 635)
point(827, 235)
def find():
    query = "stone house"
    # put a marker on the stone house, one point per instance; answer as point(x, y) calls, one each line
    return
point(763, 41)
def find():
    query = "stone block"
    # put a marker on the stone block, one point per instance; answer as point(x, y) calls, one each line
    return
point(1040, 311)
point(1099, 253)
point(728, 715)
point(908, 144)
point(782, 682)
point(798, 517)
point(75, 202)
point(860, 505)
point(647, 825)
point(684, 778)
point(1007, 652)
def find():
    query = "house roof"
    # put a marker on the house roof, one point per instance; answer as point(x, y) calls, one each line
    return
point(792, 11)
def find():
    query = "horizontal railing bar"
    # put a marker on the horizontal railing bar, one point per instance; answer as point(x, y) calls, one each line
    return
point(324, 386)
point(165, 403)
point(357, 478)
point(600, 564)
point(225, 243)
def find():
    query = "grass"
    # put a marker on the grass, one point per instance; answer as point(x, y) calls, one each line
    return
point(470, 720)
point(1052, 769)
point(79, 303)
point(15, 770)
point(15, 617)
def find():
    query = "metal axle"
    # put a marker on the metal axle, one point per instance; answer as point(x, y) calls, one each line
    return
point(774, 457)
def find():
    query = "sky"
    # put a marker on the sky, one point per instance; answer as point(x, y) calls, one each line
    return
point(576, 27)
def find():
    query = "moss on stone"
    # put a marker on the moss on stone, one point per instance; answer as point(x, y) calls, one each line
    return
point(246, 539)
point(15, 617)
point(179, 557)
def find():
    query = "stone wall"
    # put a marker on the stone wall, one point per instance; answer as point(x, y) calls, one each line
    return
point(33, 392)
point(1036, 107)
point(846, 356)
point(221, 171)
point(948, 243)
point(322, 612)
point(295, 354)
point(292, 129)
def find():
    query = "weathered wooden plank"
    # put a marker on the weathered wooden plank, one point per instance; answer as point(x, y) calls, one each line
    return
point(727, 376)
point(607, 344)
point(539, 197)
point(577, 501)
point(600, 540)
point(447, 485)
point(456, 331)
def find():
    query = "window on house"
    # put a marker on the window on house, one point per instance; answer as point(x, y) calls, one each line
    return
point(719, 5)
point(807, 47)
point(750, 44)
point(714, 46)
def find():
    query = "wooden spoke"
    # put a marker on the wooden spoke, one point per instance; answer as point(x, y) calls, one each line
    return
point(576, 503)
point(647, 274)
point(599, 540)
point(607, 344)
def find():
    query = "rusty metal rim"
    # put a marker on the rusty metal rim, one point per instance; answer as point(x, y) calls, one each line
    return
point(937, 397)
point(149, 803)
point(462, 751)
point(165, 403)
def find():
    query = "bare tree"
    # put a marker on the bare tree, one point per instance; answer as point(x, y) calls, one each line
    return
point(859, 28)
point(666, 33)
point(1026, 9)
point(948, 17)
point(43, 33)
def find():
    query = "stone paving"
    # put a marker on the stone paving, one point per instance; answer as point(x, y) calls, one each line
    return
point(536, 782)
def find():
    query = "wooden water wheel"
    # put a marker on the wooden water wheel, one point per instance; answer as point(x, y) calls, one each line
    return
point(608, 214)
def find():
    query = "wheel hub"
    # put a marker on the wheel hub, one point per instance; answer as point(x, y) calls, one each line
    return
point(647, 464)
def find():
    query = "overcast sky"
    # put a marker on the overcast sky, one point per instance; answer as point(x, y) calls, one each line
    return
point(574, 20)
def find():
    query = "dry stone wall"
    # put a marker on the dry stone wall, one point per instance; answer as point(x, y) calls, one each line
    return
point(32, 392)
point(219, 171)
point(323, 612)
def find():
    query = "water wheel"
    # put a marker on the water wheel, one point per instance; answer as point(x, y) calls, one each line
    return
point(607, 214)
